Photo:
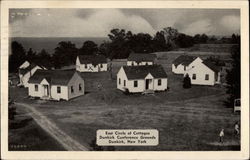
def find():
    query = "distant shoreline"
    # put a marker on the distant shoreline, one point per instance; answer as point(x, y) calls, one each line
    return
point(50, 43)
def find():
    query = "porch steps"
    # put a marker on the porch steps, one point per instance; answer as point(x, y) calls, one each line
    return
point(46, 98)
point(149, 91)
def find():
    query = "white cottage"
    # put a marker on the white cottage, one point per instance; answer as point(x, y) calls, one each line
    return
point(91, 63)
point(26, 70)
point(56, 84)
point(142, 78)
point(204, 73)
point(183, 63)
point(138, 59)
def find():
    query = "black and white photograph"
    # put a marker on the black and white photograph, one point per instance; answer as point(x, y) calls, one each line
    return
point(124, 79)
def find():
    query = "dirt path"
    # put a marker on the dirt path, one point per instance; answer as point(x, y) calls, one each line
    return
point(65, 140)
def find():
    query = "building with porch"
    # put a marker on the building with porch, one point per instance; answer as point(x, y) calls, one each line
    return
point(91, 63)
point(136, 79)
point(56, 84)
point(138, 59)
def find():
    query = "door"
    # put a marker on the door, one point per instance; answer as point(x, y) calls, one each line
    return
point(147, 84)
point(46, 90)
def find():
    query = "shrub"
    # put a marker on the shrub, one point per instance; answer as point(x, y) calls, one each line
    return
point(186, 81)
point(126, 92)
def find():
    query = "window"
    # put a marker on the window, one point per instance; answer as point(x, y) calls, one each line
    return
point(58, 89)
point(206, 77)
point(80, 87)
point(124, 82)
point(72, 89)
point(132, 63)
point(146, 63)
point(184, 68)
point(135, 83)
point(159, 82)
point(101, 66)
point(36, 87)
point(194, 76)
point(119, 80)
point(86, 66)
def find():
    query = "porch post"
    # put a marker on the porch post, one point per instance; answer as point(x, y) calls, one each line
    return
point(49, 88)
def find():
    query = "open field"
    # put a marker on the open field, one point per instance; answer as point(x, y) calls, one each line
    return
point(187, 119)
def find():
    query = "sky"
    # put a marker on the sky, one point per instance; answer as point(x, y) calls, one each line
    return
point(99, 22)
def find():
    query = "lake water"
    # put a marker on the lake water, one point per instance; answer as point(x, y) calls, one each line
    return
point(49, 44)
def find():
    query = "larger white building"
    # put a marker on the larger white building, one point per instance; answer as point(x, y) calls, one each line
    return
point(139, 59)
point(91, 63)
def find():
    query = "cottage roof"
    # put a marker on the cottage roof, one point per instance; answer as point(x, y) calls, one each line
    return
point(54, 77)
point(212, 65)
point(141, 57)
point(92, 59)
point(24, 71)
point(184, 60)
point(140, 72)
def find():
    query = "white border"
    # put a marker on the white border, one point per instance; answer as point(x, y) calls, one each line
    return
point(243, 154)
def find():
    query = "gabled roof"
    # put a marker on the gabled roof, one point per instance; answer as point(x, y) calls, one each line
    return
point(212, 66)
point(184, 60)
point(142, 57)
point(92, 59)
point(24, 71)
point(140, 72)
point(54, 77)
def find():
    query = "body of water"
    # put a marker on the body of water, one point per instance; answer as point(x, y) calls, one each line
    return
point(50, 43)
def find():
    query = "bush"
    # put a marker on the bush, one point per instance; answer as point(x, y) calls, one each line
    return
point(126, 92)
point(186, 81)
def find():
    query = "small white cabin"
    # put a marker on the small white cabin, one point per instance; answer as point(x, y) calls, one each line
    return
point(139, 59)
point(183, 63)
point(204, 73)
point(136, 79)
point(91, 63)
point(56, 84)
point(26, 70)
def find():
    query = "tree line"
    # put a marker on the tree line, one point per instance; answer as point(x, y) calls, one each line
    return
point(121, 43)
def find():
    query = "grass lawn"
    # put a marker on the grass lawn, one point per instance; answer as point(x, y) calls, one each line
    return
point(187, 119)
point(29, 136)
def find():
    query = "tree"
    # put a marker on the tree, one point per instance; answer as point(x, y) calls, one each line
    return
point(184, 40)
point(17, 57)
point(119, 46)
point(88, 48)
point(45, 59)
point(233, 77)
point(65, 54)
point(235, 39)
point(200, 38)
point(203, 38)
point(196, 38)
point(212, 39)
point(31, 55)
point(170, 35)
point(141, 43)
point(186, 81)
point(159, 42)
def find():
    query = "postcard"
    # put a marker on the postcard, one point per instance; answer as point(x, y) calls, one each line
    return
point(124, 80)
